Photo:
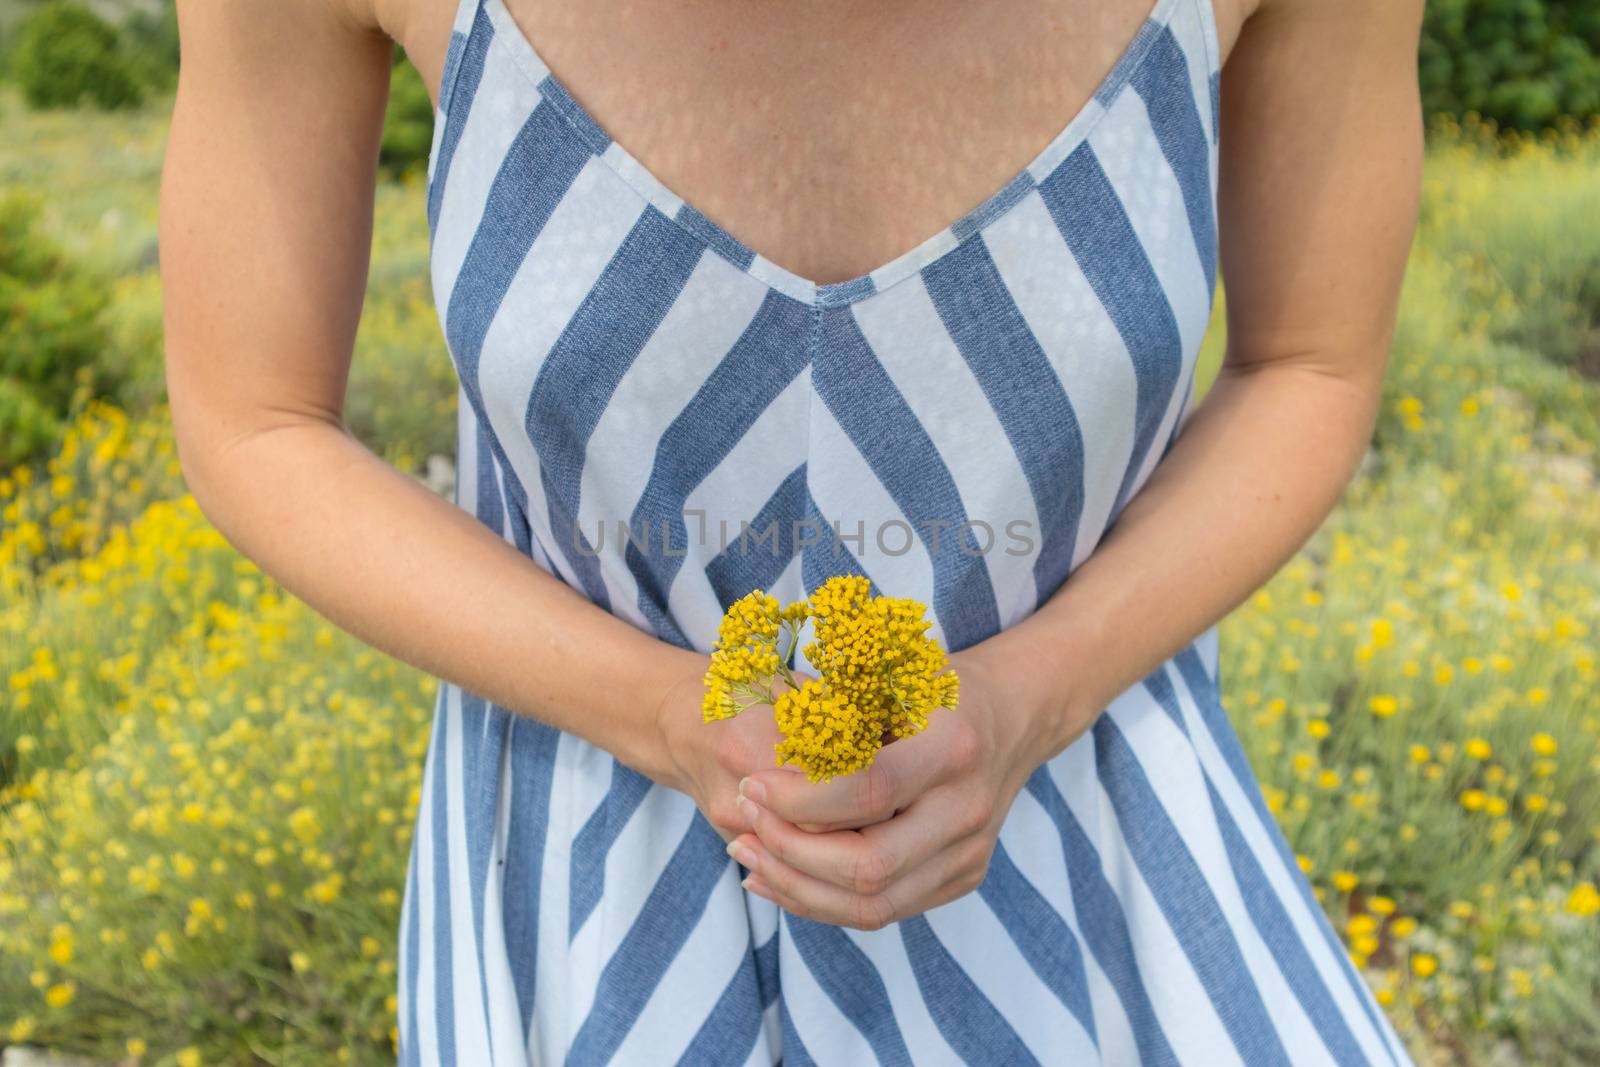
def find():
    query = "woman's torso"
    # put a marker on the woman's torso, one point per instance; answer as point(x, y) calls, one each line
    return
point(623, 356)
point(674, 417)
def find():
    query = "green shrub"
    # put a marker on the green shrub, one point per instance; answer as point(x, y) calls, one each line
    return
point(152, 44)
point(26, 426)
point(1522, 63)
point(408, 120)
point(66, 55)
point(51, 332)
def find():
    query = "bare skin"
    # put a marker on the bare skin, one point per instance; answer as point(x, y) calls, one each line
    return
point(830, 153)
point(828, 136)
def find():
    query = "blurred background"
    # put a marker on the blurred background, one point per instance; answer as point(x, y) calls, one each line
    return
point(206, 790)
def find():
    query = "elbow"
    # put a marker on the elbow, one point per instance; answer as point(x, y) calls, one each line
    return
point(195, 440)
point(211, 437)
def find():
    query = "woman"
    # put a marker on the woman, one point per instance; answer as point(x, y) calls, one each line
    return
point(681, 259)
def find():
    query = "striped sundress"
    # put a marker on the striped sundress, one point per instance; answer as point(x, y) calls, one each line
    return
point(1002, 390)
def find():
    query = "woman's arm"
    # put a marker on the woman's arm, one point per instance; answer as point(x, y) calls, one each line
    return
point(1317, 204)
point(265, 228)
point(1320, 173)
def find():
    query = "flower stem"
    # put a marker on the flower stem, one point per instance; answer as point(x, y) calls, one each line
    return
point(784, 660)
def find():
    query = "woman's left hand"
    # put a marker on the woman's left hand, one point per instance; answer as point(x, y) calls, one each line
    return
point(929, 810)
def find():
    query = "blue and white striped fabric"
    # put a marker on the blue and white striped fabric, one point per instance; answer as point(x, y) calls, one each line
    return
point(1014, 378)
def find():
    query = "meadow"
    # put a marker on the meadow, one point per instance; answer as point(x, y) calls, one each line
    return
point(206, 790)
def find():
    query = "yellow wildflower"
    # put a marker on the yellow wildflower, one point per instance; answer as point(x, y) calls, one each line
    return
point(879, 673)
point(746, 655)
point(1584, 899)
point(304, 823)
point(327, 890)
point(61, 944)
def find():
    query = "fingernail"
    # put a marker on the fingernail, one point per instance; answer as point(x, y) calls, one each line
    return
point(743, 856)
point(753, 789)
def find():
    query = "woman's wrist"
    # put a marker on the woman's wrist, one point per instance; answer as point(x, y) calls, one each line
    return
point(1046, 691)
point(676, 696)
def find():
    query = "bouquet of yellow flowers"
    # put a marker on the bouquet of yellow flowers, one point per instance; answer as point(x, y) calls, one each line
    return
point(880, 674)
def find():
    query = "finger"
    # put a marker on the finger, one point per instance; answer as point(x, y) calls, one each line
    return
point(818, 827)
point(869, 861)
point(800, 895)
point(839, 824)
point(857, 822)
point(862, 798)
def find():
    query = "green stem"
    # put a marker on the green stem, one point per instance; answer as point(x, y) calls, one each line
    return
point(783, 661)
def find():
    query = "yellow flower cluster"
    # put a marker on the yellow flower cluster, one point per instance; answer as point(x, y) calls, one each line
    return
point(202, 782)
point(879, 673)
point(746, 655)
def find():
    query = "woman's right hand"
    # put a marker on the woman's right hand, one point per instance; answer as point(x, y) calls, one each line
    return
point(707, 760)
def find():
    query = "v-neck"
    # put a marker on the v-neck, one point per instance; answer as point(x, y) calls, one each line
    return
point(508, 33)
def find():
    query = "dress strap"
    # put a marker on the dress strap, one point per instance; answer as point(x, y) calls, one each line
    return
point(470, 20)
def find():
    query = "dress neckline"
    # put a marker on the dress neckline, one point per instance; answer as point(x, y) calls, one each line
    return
point(527, 59)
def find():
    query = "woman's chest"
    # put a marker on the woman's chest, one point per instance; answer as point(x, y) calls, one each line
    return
point(830, 137)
